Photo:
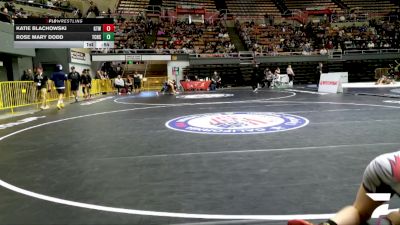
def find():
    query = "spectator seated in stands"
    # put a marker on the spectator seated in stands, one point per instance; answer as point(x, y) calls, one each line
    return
point(5, 16)
point(184, 37)
point(93, 10)
point(9, 5)
point(131, 34)
point(313, 37)
point(323, 51)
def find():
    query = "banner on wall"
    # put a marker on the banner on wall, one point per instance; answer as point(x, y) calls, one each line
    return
point(175, 71)
point(133, 57)
point(80, 57)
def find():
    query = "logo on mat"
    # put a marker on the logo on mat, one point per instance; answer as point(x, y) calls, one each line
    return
point(237, 123)
point(200, 96)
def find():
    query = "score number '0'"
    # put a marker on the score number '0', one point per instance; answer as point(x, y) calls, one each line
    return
point(108, 27)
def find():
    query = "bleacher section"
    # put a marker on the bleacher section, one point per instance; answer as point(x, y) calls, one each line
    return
point(209, 5)
point(302, 5)
point(201, 38)
point(252, 7)
point(372, 6)
point(132, 6)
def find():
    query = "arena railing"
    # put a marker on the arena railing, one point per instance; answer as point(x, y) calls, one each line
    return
point(14, 94)
point(235, 55)
point(40, 5)
point(371, 51)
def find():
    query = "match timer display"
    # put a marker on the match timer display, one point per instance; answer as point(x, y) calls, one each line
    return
point(64, 33)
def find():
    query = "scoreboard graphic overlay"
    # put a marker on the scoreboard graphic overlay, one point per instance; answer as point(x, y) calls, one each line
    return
point(64, 33)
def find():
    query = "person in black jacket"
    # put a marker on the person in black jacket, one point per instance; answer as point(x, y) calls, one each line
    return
point(85, 83)
point(255, 78)
point(59, 78)
point(4, 16)
point(27, 75)
point(74, 78)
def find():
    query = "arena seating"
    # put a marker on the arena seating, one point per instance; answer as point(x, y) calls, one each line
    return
point(131, 34)
point(252, 7)
point(198, 37)
point(132, 7)
point(302, 5)
point(209, 5)
point(267, 38)
point(382, 7)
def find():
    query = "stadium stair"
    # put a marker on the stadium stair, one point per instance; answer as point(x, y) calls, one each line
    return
point(396, 2)
point(280, 4)
point(220, 4)
point(150, 39)
point(340, 4)
point(235, 39)
point(155, 2)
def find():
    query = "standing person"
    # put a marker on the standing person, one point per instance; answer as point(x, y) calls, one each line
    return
point(99, 75)
point(74, 78)
point(255, 79)
point(276, 75)
point(42, 87)
point(382, 175)
point(137, 81)
point(59, 78)
point(89, 83)
point(118, 69)
point(216, 81)
point(290, 73)
point(27, 75)
point(318, 73)
point(268, 77)
point(84, 82)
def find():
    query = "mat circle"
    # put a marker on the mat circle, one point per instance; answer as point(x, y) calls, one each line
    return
point(237, 123)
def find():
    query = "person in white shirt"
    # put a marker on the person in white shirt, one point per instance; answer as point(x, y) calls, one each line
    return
point(275, 81)
point(371, 45)
point(323, 51)
point(290, 73)
point(119, 84)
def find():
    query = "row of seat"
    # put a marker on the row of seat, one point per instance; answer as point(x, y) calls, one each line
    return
point(370, 6)
point(132, 6)
point(252, 7)
point(207, 4)
point(327, 4)
point(262, 7)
